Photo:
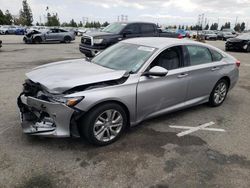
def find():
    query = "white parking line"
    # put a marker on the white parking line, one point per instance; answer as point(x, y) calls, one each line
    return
point(194, 129)
point(205, 129)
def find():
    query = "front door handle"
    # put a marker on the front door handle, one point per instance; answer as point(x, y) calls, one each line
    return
point(215, 68)
point(182, 75)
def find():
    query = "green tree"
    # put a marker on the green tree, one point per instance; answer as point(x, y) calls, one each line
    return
point(73, 23)
point(237, 27)
point(207, 27)
point(8, 18)
point(226, 26)
point(242, 26)
point(105, 24)
point(214, 26)
point(2, 18)
point(80, 24)
point(52, 20)
point(26, 17)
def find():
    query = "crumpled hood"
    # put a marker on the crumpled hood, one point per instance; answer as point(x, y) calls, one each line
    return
point(62, 76)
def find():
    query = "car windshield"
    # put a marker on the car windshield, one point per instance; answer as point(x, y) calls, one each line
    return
point(124, 56)
point(227, 33)
point(244, 37)
point(114, 28)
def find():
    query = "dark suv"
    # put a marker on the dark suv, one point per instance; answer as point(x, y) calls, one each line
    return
point(92, 43)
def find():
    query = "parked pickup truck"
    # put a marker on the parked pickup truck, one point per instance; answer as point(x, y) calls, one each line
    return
point(93, 43)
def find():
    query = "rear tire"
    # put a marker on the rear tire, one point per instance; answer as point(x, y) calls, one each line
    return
point(219, 93)
point(67, 39)
point(103, 124)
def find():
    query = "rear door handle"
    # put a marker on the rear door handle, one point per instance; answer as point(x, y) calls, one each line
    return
point(215, 68)
point(182, 75)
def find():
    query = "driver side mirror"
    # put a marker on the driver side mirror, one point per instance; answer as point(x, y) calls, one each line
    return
point(156, 71)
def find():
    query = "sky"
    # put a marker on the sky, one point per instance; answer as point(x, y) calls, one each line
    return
point(164, 12)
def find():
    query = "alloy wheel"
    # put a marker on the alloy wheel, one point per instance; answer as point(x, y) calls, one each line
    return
point(108, 125)
point(220, 93)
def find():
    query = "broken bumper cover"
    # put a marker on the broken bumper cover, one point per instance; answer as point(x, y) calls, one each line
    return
point(43, 118)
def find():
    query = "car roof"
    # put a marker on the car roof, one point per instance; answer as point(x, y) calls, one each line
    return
point(160, 42)
point(135, 22)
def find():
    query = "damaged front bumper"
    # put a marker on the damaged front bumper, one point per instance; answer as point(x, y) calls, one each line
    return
point(44, 118)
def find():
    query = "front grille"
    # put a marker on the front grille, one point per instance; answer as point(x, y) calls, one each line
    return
point(86, 40)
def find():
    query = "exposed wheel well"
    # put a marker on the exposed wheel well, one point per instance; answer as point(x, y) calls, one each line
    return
point(75, 118)
point(67, 37)
point(227, 79)
point(37, 38)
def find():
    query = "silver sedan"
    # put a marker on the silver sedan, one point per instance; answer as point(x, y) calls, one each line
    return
point(127, 83)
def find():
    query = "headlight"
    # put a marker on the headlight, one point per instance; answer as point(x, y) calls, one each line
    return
point(97, 41)
point(68, 101)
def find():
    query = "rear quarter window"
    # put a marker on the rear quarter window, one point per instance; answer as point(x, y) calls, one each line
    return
point(199, 55)
point(216, 55)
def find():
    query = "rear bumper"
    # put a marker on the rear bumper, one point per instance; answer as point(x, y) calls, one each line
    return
point(44, 118)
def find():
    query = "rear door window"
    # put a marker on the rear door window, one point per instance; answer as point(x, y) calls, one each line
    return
point(147, 28)
point(199, 55)
point(133, 28)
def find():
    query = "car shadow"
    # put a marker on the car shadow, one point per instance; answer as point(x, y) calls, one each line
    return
point(141, 138)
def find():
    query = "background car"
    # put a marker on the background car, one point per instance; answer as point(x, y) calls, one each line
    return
point(241, 42)
point(5, 30)
point(51, 35)
point(122, 86)
point(20, 31)
point(183, 33)
point(192, 34)
point(209, 35)
point(225, 35)
point(94, 42)
point(229, 30)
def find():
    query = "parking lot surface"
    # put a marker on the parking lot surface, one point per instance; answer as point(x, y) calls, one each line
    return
point(149, 155)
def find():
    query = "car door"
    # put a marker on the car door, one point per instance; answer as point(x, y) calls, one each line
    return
point(204, 72)
point(147, 30)
point(52, 35)
point(158, 94)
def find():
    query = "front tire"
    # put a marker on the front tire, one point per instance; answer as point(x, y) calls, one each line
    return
point(219, 93)
point(248, 48)
point(37, 40)
point(104, 124)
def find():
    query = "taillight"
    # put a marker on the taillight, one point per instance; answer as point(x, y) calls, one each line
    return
point(237, 63)
point(179, 36)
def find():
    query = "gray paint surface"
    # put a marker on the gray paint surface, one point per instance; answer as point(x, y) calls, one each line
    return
point(143, 96)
